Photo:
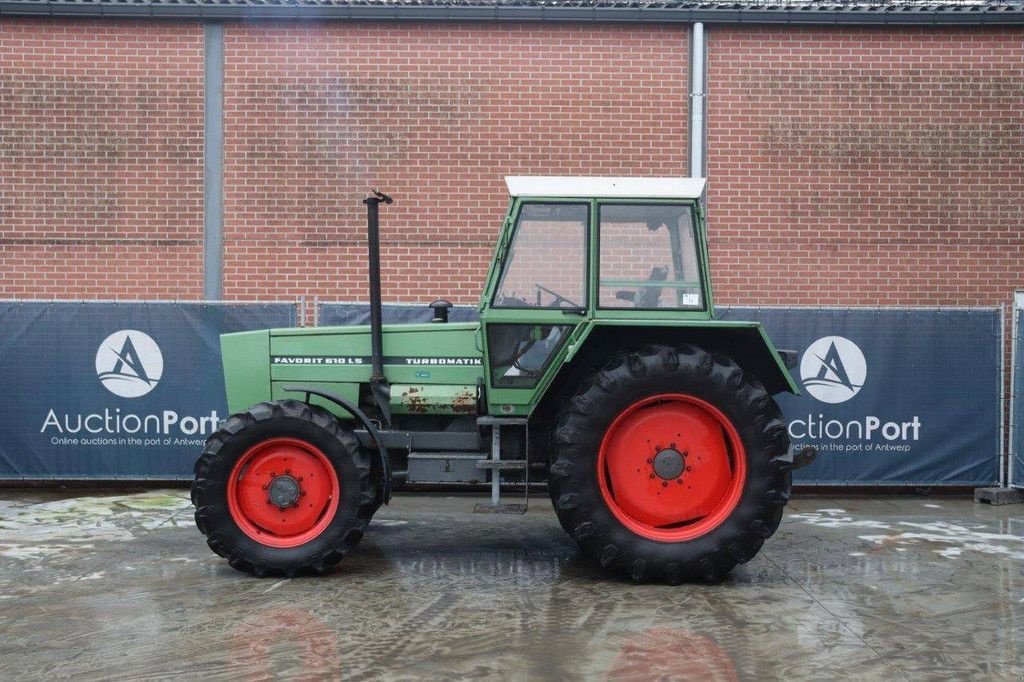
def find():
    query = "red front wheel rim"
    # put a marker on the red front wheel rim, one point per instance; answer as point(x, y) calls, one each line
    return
point(283, 492)
point(671, 467)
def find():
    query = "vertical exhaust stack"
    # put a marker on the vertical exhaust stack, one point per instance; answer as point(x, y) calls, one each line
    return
point(379, 387)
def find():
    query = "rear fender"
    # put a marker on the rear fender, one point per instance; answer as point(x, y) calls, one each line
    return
point(745, 342)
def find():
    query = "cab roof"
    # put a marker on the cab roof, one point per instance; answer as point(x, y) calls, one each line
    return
point(604, 187)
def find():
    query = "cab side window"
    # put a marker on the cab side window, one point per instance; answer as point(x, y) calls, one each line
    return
point(648, 257)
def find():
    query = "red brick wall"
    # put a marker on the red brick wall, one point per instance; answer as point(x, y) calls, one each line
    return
point(866, 165)
point(101, 159)
point(847, 165)
point(436, 115)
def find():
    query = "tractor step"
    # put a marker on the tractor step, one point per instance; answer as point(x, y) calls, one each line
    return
point(500, 508)
point(447, 455)
point(501, 464)
point(495, 464)
point(489, 420)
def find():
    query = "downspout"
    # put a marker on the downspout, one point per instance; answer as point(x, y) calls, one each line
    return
point(213, 162)
point(698, 137)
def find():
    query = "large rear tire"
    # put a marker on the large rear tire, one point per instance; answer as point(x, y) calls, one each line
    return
point(283, 488)
point(670, 464)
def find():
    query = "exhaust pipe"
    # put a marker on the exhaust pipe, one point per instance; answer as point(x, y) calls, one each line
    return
point(379, 387)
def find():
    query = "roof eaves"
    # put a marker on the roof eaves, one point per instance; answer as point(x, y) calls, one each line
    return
point(997, 13)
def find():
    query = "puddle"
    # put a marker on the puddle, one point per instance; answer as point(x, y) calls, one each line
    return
point(955, 538)
point(36, 531)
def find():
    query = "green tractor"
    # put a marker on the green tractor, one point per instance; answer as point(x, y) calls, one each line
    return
point(596, 362)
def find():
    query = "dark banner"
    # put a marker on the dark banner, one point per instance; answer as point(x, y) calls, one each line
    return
point(130, 390)
point(890, 396)
point(114, 390)
point(1017, 404)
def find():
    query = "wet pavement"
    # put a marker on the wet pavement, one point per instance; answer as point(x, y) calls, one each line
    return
point(101, 586)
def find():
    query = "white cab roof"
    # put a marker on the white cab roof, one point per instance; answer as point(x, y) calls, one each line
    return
point(617, 188)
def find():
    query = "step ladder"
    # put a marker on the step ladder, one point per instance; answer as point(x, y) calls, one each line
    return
point(496, 465)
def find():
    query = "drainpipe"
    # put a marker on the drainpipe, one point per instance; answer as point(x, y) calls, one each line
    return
point(698, 139)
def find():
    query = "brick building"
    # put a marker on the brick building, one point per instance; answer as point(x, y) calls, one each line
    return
point(856, 154)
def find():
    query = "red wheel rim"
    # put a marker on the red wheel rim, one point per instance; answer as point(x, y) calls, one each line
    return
point(636, 454)
point(314, 486)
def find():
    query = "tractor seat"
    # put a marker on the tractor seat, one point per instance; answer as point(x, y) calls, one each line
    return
point(651, 296)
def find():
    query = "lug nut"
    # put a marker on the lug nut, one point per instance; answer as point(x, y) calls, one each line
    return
point(679, 481)
point(652, 475)
point(687, 468)
point(649, 460)
point(664, 484)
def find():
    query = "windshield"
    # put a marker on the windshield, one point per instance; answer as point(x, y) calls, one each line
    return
point(546, 264)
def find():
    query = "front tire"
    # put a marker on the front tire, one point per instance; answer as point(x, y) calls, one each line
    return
point(283, 488)
point(670, 464)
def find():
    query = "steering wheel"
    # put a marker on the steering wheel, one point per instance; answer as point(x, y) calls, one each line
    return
point(558, 297)
point(518, 354)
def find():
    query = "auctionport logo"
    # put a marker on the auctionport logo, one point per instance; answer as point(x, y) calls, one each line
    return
point(833, 369)
point(129, 363)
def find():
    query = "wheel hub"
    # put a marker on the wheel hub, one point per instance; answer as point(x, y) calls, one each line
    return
point(283, 491)
point(669, 464)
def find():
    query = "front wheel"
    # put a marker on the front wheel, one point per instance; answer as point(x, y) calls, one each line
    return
point(283, 488)
point(670, 464)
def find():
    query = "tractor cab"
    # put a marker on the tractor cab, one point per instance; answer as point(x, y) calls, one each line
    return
point(577, 252)
point(607, 244)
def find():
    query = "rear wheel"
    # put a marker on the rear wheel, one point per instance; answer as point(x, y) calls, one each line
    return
point(283, 488)
point(669, 464)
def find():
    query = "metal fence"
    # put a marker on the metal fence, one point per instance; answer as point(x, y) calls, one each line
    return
point(1015, 458)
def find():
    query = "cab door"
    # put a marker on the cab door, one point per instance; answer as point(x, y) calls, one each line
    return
point(538, 298)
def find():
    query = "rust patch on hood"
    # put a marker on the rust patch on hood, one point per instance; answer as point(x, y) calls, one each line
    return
point(414, 403)
point(465, 402)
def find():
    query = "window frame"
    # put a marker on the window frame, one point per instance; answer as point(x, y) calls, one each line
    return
point(698, 247)
point(510, 250)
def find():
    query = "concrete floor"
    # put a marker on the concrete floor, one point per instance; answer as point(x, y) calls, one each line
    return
point(123, 586)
